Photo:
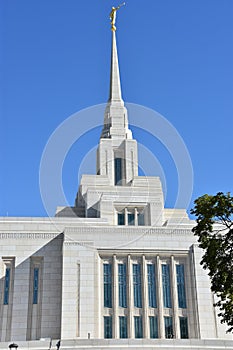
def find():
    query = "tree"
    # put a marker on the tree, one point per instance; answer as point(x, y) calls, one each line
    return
point(214, 230)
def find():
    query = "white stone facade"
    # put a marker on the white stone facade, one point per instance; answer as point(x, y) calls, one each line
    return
point(118, 265)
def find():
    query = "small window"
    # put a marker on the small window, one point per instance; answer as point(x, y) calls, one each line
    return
point(121, 218)
point(141, 219)
point(138, 326)
point(123, 327)
point(131, 220)
point(118, 171)
point(107, 327)
point(7, 286)
point(168, 327)
point(35, 285)
point(184, 328)
point(153, 327)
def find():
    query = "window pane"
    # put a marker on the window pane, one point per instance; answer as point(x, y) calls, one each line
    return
point(166, 285)
point(118, 171)
point(131, 219)
point(141, 220)
point(137, 285)
point(138, 326)
point(121, 219)
point(153, 327)
point(168, 327)
point(122, 287)
point(181, 286)
point(184, 328)
point(7, 286)
point(35, 285)
point(151, 285)
point(107, 285)
point(107, 327)
point(123, 327)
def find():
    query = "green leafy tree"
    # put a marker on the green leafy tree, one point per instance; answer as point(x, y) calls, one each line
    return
point(214, 230)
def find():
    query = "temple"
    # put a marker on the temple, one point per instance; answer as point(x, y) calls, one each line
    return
point(117, 270)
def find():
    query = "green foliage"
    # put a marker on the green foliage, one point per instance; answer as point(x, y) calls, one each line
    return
point(214, 230)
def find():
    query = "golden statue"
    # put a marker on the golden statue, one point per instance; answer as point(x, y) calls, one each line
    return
point(113, 15)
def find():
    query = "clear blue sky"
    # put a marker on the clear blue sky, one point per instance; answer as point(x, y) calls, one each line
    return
point(176, 57)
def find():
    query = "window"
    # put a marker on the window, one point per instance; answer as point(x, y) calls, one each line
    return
point(151, 285)
point(137, 285)
point(153, 326)
point(138, 326)
point(181, 286)
point(123, 327)
point(118, 171)
point(35, 285)
point(7, 286)
point(166, 285)
point(168, 327)
point(131, 220)
point(107, 285)
point(141, 219)
point(121, 218)
point(107, 327)
point(184, 328)
point(122, 285)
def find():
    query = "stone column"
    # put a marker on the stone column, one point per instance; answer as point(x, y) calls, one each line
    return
point(176, 330)
point(145, 299)
point(160, 300)
point(130, 298)
point(115, 299)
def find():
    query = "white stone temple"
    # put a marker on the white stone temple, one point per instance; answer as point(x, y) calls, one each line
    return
point(117, 270)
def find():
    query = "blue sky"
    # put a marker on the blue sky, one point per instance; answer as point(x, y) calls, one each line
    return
point(176, 57)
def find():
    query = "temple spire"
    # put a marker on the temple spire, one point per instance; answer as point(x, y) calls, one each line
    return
point(115, 117)
point(115, 82)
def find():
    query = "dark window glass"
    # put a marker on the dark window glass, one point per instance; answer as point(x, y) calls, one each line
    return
point(123, 327)
point(107, 285)
point(168, 327)
point(118, 171)
point(35, 285)
point(166, 285)
point(181, 286)
point(184, 328)
point(7, 286)
point(131, 219)
point(151, 285)
point(122, 287)
point(153, 326)
point(108, 327)
point(137, 287)
point(121, 218)
point(138, 326)
point(141, 220)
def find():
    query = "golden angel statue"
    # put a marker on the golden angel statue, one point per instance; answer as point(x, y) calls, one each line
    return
point(113, 15)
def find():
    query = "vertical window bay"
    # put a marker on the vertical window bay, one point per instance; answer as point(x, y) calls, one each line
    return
point(7, 286)
point(181, 286)
point(107, 285)
point(166, 285)
point(184, 328)
point(151, 285)
point(122, 286)
point(168, 327)
point(137, 287)
point(35, 285)
point(138, 326)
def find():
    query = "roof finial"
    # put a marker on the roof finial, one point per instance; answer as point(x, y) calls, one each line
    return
point(113, 16)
